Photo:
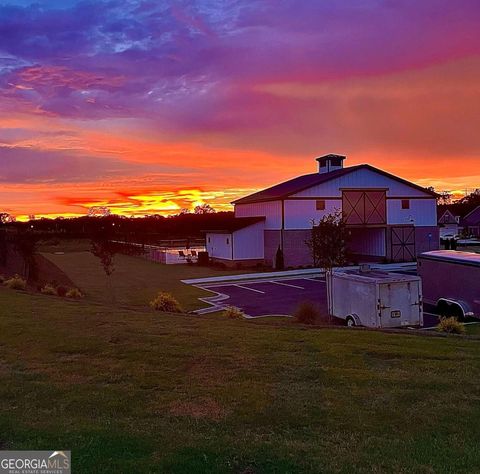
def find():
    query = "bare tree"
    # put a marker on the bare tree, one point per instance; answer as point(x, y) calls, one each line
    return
point(445, 197)
point(104, 249)
point(5, 218)
point(204, 209)
point(99, 211)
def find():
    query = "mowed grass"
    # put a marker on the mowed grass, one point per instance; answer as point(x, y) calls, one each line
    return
point(473, 329)
point(135, 281)
point(129, 391)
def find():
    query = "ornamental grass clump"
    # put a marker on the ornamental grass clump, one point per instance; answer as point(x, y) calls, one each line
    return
point(74, 293)
point(231, 312)
point(306, 313)
point(16, 283)
point(49, 290)
point(451, 325)
point(166, 302)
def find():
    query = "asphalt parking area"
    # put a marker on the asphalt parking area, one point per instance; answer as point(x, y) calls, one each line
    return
point(282, 296)
point(273, 297)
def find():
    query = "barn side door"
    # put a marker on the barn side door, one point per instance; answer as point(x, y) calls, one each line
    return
point(402, 240)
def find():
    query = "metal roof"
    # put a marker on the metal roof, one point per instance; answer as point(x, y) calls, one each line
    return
point(234, 224)
point(295, 185)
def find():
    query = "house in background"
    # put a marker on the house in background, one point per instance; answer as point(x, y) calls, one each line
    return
point(387, 217)
point(448, 225)
point(471, 222)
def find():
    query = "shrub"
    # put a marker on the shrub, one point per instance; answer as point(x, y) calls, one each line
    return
point(306, 313)
point(2, 279)
point(74, 293)
point(166, 302)
point(16, 283)
point(231, 312)
point(61, 291)
point(279, 260)
point(451, 325)
point(49, 290)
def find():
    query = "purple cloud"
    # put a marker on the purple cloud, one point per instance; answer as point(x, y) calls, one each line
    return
point(200, 53)
point(199, 67)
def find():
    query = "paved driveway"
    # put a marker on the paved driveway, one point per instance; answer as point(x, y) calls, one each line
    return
point(282, 296)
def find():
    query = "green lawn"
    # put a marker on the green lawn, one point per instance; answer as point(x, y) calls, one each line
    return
point(473, 329)
point(135, 280)
point(130, 391)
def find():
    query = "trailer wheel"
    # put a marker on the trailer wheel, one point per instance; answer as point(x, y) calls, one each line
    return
point(457, 311)
point(350, 321)
point(452, 309)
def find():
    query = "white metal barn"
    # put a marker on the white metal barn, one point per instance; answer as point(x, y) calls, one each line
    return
point(388, 217)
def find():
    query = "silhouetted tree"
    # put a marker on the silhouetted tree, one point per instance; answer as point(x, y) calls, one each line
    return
point(204, 209)
point(328, 242)
point(104, 249)
point(3, 247)
point(26, 245)
point(279, 260)
point(4, 217)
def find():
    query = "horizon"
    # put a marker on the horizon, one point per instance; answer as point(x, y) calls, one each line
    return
point(152, 107)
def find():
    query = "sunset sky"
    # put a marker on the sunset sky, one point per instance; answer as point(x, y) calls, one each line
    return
point(152, 106)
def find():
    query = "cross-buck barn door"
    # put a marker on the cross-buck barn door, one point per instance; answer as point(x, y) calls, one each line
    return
point(403, 243)
point(364, 207)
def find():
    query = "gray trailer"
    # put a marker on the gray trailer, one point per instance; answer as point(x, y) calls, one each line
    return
point(451, 282)
point(375, 299)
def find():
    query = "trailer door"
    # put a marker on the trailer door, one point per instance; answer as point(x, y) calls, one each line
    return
point(400, 304)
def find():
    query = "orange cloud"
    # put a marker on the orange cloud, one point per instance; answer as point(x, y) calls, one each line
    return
point(421, 125)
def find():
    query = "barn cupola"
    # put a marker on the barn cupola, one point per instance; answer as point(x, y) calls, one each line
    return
point(330, 162)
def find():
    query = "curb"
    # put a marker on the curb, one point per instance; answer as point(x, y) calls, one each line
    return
point(289, 273)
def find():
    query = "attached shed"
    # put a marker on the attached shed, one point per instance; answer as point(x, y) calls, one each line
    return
point(240, 241)
point(388, 217)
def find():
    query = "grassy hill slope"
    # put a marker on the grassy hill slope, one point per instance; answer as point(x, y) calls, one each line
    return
point(135, 280)
point(134, 391)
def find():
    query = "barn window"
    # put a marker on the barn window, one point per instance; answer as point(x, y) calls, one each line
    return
point(209, 240)
point(228, 241)
point(405, 203)
point(320, 204)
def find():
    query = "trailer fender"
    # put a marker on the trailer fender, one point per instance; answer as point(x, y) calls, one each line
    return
point(355, 318)
point(445, 304)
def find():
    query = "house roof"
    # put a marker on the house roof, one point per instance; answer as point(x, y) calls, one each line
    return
point(447, 218)
point(235, 223)
point(300, 183)
point(473, 217)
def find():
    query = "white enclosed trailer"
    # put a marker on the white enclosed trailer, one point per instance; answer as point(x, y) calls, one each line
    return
point(375, 299)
